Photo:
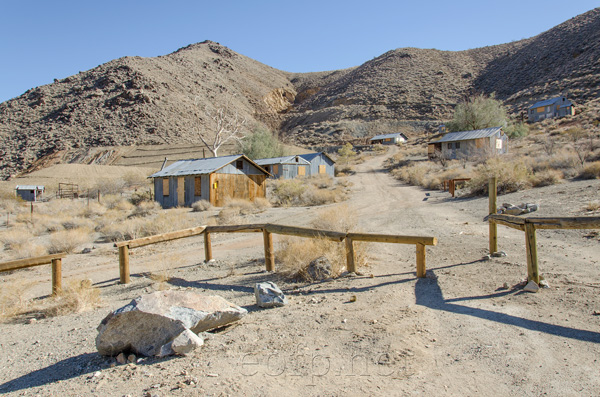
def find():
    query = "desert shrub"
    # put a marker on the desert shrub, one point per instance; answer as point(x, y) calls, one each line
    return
point(315, 196)
point(109, 186)
point(546, 178)
point(261, 204)
point(262, 144)
point(145, 208)
point(417, 174)
point(14, 299)
point(15, 237)
point(592, 206)
point(314, 190)
point(68, 240)
point(513, 175)
point(201, 205)
point(344, 169)
point(117, 202)
point(517, 130)
point(140, 197)
point(340, 218)
point(135, 179)
point(94, 209)
point(288, 191)
point(478, 112)
point(591, 171)
point(76, 296)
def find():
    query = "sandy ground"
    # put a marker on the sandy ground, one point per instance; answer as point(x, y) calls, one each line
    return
point(455, 332)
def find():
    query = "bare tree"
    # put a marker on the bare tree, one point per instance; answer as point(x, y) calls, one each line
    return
point(228, 126)
point(582, 143)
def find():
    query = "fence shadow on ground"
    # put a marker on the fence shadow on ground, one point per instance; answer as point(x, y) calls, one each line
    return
point(429, 294)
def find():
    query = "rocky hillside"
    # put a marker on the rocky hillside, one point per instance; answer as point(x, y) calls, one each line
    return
point(141, 101)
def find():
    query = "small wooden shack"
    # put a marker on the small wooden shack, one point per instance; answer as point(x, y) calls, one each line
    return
point(320, 164)
point(287, 167)
point(216, 179)
point(550, 108)
point(30, 192)
point(466, 144)
point(389, 139)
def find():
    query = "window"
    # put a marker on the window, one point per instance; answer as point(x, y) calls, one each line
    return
point(301, 170)
point(322, 169)
point(296, 159)
point(449, 145)
point(165, 182)
point(458, 145)
point(197, 186)
point(239, 164)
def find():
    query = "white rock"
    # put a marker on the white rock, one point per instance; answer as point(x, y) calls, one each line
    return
point(531, 287)
point(268, 294)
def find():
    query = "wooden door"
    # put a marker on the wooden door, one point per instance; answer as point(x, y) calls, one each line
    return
point(301, 170)
point(180, 191)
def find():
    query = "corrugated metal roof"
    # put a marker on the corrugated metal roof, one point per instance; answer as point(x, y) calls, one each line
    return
point(466, 135)
point(196, 166)
point(282, 160)
point(385, 136)
point(310, 156)
point(30, 187)
point(551, 101)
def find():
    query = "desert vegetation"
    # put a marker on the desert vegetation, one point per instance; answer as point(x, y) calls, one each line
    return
point(309, 191)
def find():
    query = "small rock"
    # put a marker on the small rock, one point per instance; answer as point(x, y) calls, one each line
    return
point(86, 250)
point(531, 287)
point(268, 294)
point(121, 358)
point(186, 342)
point(320, 269)
point(353, 298)
point(131, 358)
point(505, 286)
point(499, 254)
point(544, 284)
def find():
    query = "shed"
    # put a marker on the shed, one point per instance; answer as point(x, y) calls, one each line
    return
point(287, 167)
point(550, 108)
point(389, 139)
point(470, 143)
point(320, 164)
point(215, 179)
point(30, 192)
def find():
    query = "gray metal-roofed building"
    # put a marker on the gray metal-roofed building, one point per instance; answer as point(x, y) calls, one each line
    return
point(287, 167)
point(216, 179)
point(320, 164)
point(30, 192)
point(389, 139)
point(469, 143)
point(550, 108)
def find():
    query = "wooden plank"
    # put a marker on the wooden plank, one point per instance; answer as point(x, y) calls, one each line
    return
point(56, 276)
point(124, 265)
point(492, 207)
point(305, 232)
point(421, 267)
point(140, 242)
point(350, 263)
point(251, 228)
point(584, 222)
point(269, 252)
point(531, 248)
point(30, 262)
point(391, 238)
point(207, 247)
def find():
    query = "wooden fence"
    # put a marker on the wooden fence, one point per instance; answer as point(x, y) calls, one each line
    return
point(451, 184)
point(55, 260)
point(268, 230)
point(529, 226)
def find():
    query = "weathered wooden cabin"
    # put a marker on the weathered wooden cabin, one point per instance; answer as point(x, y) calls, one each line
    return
point(550, 108)
point(287, 167)
point(389, 139)
point(216, 179)
point(466, 144)
point(30, 192)
point(320, 164)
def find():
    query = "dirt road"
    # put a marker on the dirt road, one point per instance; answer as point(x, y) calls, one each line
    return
point(456, 332)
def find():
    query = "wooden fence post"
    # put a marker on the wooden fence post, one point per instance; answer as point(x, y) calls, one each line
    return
point(56, 276)
point(492, 189)
point(421, 267)
point(207, 247)
point(269, 254)
point(124, 264)
point(350, 264)
point(531, 248)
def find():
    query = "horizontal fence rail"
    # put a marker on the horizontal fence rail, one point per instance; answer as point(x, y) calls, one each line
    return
point(55, 260)
point(529, 226)
point(268, 230)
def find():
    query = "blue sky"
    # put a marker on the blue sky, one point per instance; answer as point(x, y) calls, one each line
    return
point(43, 40)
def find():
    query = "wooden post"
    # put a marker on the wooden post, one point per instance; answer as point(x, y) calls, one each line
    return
point(269, 254)
point(56, 276)
point(350, 264)
point(421, 268)
point(207, 247)
point(124, 264)
point(492, 189)
point(452, 187)
point(531, 247)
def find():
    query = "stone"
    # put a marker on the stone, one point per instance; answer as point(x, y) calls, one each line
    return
point(320, 269)
point(531, 287)
point(499, 254)
point(131, 358)
point(186, 342)
point(544, 284)
point(121, 358)
point(268, 294)
point(152, 321)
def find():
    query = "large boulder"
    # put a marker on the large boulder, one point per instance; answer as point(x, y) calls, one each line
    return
point(150, 325)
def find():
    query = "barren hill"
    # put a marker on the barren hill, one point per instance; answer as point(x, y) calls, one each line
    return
point(162, 100)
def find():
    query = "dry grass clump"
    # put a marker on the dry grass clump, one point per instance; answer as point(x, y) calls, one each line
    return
point(75, 297)
point(236, 209)
point(201, 205)
point(13, 298)
point(419, 174)
point(116, 202)
point(145, 208)
point(591, 171)
point(68, 240)
point(592, 206)
point(513, 175)
point(311, 191)
point(296, 254)
point(546, 178)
